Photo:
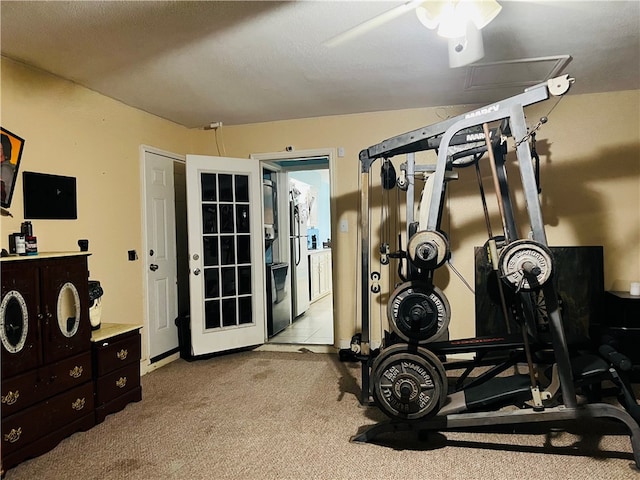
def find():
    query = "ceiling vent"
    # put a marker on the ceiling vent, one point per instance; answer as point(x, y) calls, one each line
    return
point(523, 72)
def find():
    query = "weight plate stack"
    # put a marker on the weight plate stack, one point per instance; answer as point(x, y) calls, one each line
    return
point(522, 254)
point(428, 249)
point(418, 312)
point(409, 383)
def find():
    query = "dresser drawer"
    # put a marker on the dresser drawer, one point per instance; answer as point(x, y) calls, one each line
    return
point(112, 354)
point(41, 419)
point(65, 374)
point(20, 392)
point(117, 383)
point(23, 428)
point(70, 406)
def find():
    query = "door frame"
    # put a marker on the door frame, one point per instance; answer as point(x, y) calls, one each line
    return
point(332, 154)
point(145, 363)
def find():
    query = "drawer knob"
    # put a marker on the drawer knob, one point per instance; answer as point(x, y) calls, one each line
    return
point(76, 372)
point(11, 397)
point(122, 354)
point(13, 436)
point(121, 382)
point(78, 404)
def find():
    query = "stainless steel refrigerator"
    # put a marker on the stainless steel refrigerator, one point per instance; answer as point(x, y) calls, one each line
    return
point(299, 259)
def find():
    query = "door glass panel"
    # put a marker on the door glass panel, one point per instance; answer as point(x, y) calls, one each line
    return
point(242, 188)
point(226, 218)
point(226, 250)
point(229, 312)
point(226, 187)
point(244, 249)
point(242, 218)
point(244, 280)
point(211, 283)
point(208, 181)
point(210, 251)
point(228, 281)
point(244, 310)
point(209, 218)
point(212, 314)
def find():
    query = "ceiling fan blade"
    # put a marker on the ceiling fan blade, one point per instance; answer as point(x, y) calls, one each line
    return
point(372, 24)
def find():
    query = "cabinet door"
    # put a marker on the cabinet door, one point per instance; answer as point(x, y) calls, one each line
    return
point(65, 299)
point(19, 310)
point(315, 276)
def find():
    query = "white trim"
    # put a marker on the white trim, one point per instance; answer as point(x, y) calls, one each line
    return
point(146, 367)
point(146, 347)
point(318, 152)
point(164, 153)
point(296, 348)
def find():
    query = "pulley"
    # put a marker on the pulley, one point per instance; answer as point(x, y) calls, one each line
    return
point(408, 383)
point(428, 249)
point(418, 312)
point(524, 260)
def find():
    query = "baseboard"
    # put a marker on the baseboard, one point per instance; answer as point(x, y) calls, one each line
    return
point(297, 347)
point(146, 366)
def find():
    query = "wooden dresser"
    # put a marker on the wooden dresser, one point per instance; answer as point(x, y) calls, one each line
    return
point(116, 357)
point(47, 387)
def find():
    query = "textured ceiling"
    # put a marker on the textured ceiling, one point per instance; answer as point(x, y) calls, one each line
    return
point(244, 62)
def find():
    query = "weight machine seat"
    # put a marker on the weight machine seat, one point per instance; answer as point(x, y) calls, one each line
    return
point(586, 367)
point(498, 391)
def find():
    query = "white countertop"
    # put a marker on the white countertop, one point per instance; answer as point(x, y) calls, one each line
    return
point(110, 330)
point(43, 255)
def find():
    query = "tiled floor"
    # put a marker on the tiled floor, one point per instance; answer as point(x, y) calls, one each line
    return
point(314, 327)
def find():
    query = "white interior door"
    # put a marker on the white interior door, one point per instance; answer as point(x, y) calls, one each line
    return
point(226, 253)
point(160, 255)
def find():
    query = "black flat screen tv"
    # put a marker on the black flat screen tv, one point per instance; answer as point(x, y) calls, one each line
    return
point(49, 197)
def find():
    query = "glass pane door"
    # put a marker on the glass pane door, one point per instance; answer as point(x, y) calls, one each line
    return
point(226, 254)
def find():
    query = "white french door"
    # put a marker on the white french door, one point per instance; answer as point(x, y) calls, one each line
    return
point(226, 253)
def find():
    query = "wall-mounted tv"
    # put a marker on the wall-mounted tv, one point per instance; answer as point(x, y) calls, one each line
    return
point(49, 197)
point(11, 147)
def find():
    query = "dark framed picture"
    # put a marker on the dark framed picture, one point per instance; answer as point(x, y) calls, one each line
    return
point(10, 154)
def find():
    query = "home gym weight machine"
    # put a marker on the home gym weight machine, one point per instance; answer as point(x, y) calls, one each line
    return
point(406, 377)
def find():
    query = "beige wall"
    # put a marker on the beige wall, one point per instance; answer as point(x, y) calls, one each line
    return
point(590, 151)
point(69, 130)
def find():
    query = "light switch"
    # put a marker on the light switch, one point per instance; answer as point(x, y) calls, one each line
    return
point(341, 152)
point(344, 226)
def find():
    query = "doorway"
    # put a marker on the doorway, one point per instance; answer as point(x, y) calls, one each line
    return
point(318, 319)
point(304, 182)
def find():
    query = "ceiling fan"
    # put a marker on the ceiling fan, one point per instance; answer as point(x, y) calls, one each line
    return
point(459, 21)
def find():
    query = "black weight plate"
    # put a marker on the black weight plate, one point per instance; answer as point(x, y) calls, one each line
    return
point(408, 384)
point(419, 313)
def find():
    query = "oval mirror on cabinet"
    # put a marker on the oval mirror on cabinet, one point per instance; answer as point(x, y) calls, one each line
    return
point(68, 310)
point(14, 321)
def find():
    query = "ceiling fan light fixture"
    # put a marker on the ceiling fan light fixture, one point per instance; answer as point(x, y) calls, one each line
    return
point(430, 12)
point(466, 49)
point(482, 12)
point(450, 17)
point(453, 22)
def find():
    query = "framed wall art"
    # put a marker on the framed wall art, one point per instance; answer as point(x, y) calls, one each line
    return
point(10, 153)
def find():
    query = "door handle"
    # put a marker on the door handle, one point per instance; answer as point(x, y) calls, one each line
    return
point(196, 271)
point(153, 267)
